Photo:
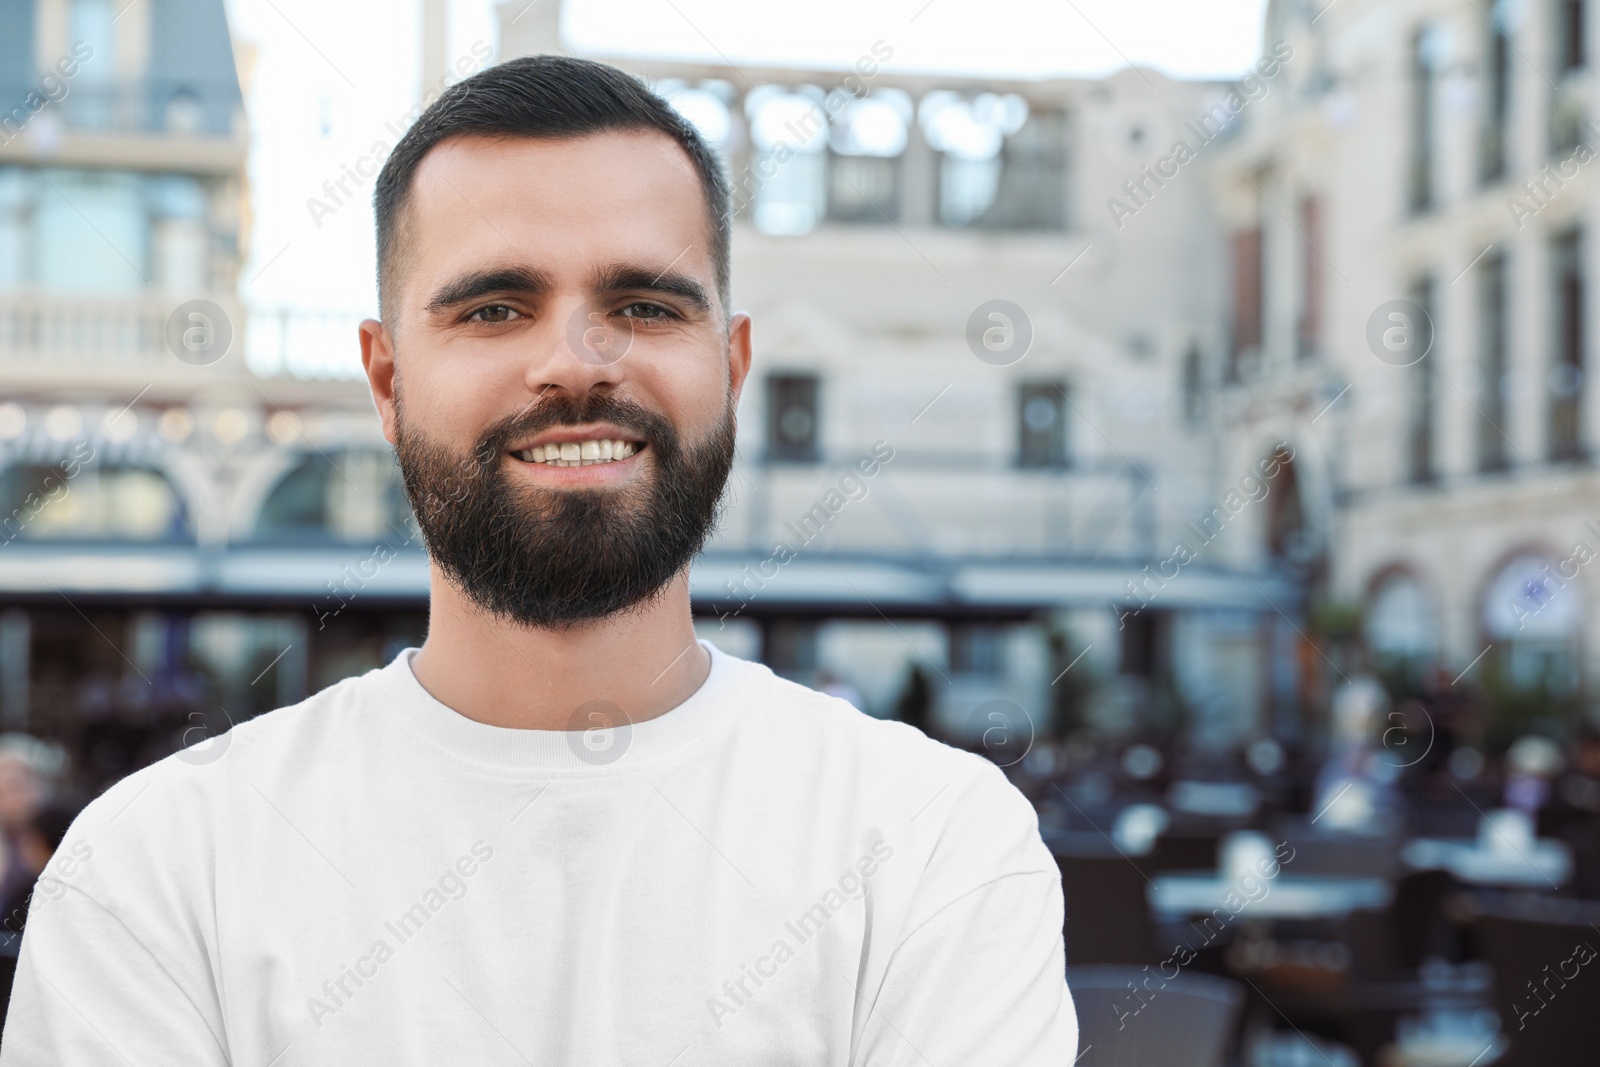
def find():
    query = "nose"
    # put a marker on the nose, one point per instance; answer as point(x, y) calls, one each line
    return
point(579, 347)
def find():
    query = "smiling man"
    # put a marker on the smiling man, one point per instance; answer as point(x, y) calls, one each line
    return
point(564, 830)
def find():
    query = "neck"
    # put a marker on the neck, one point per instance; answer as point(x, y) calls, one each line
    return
point(644, 662)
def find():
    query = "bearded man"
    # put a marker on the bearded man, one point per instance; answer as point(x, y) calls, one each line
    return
point(564, 830)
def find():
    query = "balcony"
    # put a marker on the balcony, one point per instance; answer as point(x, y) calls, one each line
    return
point(42, 336)
point(149, 124)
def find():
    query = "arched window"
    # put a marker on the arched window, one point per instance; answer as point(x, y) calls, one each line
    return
point(1401, 625)
point(1533, 617)
point(41, 501)
point(349, 496)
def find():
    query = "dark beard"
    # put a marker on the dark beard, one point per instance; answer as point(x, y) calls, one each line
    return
point(555, 558)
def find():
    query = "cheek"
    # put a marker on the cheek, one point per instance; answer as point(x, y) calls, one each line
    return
point(687, 384)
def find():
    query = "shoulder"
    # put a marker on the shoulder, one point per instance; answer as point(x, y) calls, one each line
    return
point(933, 785)
point(161, 823)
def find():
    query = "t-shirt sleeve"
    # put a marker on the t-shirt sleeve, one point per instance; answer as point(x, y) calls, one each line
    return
point(981, 975)
point(90, 993)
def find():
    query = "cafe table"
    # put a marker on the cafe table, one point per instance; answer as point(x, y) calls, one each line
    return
point(1536, 864)
point(1178, 895)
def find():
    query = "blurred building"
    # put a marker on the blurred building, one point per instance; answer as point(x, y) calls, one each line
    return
point(149, 485)
point(191, 542)
point(1039, 484)
point(1408, 227)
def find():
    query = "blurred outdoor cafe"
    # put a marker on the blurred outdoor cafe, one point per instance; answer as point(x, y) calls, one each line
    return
point(1397, 900)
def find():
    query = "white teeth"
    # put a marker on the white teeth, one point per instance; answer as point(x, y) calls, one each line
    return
point(579, 453)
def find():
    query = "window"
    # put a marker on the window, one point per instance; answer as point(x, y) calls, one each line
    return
point(1534, 621)
point(1427, 47)
point(1569, 35)
point(94, 502)
point(789, 646)
point(1492, 357)
point(1001, 165)
point(975, 648)
point(1032, 177)
point(356, 495)
point(792, 418)
point(1042, 424)
point(866, 141)
point(91, 231)
point(1309, 335)
point(1567, 112)
point(789, 159)
point(1288, 538)
point(1146, 644)
point(1401, 625)
point(1247, 304)
point(1566, 378)
point(92, 102)
point(1194, 386)
point(1497, 95)
point(1422, 399)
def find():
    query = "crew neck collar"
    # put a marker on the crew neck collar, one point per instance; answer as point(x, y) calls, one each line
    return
point(580, 753)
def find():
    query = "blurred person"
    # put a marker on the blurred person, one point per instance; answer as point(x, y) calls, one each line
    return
point(1572, 813)
point(1577, 788)
point(563, 824)
point(37, 844)
point(25, 765)
point(1356, 786)
point(1532, 763)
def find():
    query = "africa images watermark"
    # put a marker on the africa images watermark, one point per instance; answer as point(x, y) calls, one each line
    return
point(852, 884)
point(1541, 190)
point(1210, 126)
point(1542, 591)
point(451, 886)
point(53, 88)
point(51, 885)
point(1582, 953)
point(812, 523)
point(35, 501)
point(1251, 489)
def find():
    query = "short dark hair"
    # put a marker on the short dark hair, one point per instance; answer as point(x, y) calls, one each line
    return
point(550, 97)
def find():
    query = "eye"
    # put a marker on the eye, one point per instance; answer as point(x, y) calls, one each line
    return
point(493, 313)
point(640, 309)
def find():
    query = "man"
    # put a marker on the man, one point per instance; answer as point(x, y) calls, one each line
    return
point(563, 831)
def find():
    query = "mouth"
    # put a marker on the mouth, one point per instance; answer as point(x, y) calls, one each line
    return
point(580, 452)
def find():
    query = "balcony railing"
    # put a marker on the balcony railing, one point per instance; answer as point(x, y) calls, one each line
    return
point(40, 330)
point(154, 105)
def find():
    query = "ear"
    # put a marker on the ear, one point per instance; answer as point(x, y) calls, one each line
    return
point(377, 358)
point(738, 352)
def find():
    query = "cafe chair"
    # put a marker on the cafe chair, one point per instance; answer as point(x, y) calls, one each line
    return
point(1107, 912)
point(1546, 975)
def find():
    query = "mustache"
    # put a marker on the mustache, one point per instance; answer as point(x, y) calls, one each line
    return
point(561, 410)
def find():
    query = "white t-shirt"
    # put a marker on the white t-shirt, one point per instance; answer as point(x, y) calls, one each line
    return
point(762, 875)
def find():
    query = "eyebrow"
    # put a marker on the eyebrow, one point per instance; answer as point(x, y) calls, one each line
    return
point(627, 277)
point(480, 283)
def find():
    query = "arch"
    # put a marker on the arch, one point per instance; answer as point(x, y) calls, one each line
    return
point(1312, 485)
point(77, 500)
point(1400, 620)
point(1531, 613)
point(352, 495)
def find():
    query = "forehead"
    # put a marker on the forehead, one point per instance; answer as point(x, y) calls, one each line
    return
point(562, 206)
